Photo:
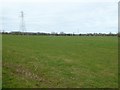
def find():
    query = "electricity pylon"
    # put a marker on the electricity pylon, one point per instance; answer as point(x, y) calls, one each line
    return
point(22, 23)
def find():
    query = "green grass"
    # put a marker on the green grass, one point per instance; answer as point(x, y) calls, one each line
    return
point(0, 61)
point(66, 62)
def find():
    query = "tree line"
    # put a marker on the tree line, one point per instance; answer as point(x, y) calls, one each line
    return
point(59, 34)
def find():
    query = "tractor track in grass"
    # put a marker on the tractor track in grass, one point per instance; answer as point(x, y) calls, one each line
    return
point(22, 72)
point(26, 74)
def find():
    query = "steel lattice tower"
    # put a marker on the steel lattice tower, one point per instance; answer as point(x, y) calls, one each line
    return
point(22, 23)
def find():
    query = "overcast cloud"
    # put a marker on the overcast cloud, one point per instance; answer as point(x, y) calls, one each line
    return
point(78, 16)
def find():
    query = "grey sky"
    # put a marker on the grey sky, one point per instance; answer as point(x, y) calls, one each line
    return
point(63, 16)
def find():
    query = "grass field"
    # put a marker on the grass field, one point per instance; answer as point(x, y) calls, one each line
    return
point(59, 61)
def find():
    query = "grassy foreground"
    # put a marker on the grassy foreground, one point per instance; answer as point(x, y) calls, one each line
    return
point(50, 61)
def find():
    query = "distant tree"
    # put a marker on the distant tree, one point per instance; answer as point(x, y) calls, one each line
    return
point(54, 33)
point(62, 33)
point(110, 34)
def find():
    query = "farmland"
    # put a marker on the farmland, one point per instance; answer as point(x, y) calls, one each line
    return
point(59, 61)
